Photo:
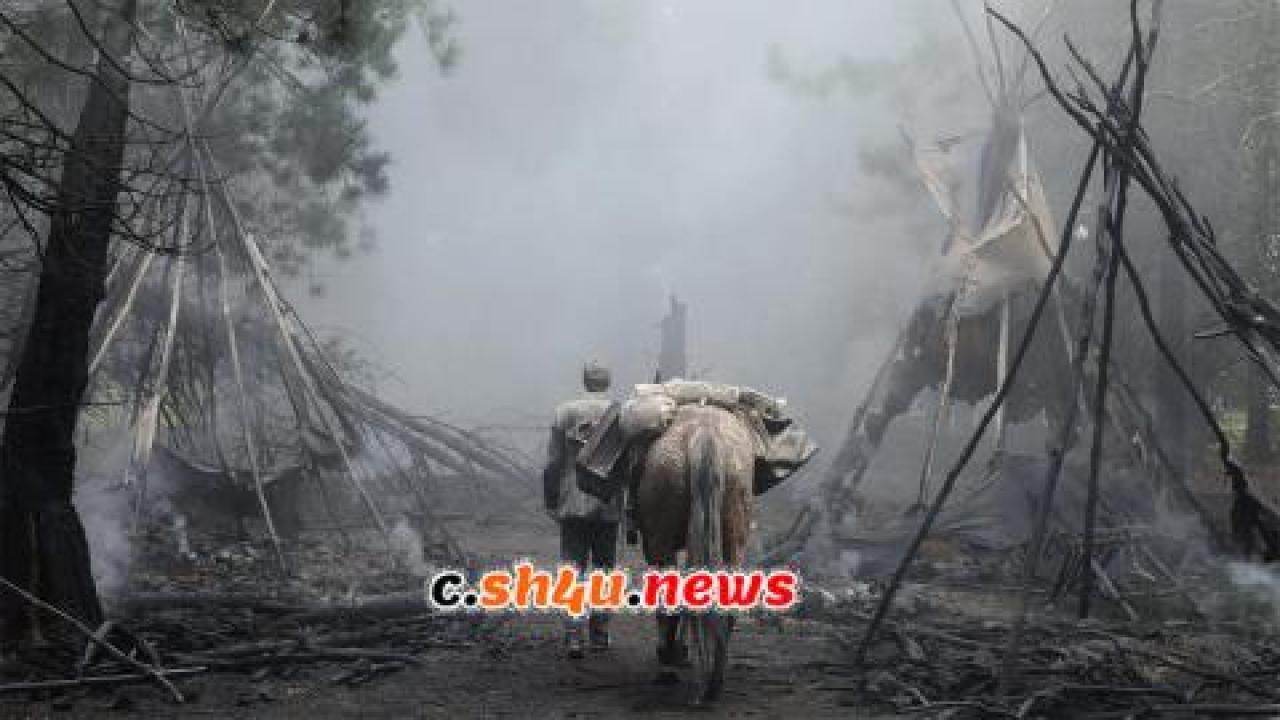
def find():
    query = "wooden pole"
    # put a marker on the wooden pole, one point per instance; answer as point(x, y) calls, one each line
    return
point(1002, 370)
point(1100, 416)
point(246, 431)
point(1046, 291)
point(1115, 184)
point(941, 408)
point(1057, 455)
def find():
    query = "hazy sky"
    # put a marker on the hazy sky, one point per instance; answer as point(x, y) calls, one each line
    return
point(588, 157)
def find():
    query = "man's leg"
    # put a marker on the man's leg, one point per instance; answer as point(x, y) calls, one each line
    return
point(575, 549)
point(604, 556)
point(630, 513)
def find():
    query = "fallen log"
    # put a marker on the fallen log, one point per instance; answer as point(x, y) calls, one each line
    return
point(1214, 709)
point(304, 654)
point(381, 607)
point(247, 649)
point(333, 653)
point(97, 680)
point(150, 602)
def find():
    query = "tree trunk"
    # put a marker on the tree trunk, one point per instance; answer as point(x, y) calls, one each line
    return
point(673, 360)
point(42, 542)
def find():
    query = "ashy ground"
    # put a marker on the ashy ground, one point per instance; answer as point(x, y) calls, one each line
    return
point(780, 667)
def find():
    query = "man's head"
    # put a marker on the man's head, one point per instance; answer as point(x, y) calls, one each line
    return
point(595, 377)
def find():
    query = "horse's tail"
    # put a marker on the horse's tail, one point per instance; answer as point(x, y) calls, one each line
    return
point(706, 493)
point(709, 632)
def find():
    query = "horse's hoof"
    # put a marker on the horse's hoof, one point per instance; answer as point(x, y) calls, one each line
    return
point(666, 678)
point(675, 657)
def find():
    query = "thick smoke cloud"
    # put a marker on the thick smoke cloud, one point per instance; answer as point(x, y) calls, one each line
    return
point(587, 158)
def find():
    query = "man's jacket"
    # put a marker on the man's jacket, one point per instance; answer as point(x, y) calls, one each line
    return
point(561, 495)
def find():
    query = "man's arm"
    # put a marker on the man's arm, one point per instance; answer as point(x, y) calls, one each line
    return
point(553, 474)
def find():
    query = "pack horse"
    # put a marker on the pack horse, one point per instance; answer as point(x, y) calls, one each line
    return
point(691, 456)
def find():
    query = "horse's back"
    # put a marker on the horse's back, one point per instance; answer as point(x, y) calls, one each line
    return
point(664, 497)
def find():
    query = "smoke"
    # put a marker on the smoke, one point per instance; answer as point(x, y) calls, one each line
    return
point(541, 212)
point(106, 507)
point(105, 511)
point(406, 544)
point(822, 557)
point(1253, 595)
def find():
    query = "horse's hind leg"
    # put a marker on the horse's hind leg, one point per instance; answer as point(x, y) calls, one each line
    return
point(735, 524)
point(671, 652)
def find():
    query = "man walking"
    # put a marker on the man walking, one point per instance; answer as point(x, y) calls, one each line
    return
point(588, 526)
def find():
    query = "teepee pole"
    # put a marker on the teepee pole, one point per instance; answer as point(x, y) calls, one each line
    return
point(117, 320)
point(233, 344)
point(1002, 369)
point(144, 432)
point(1115, 184)
point(258, 263)
point(1100, 407)
point(941, 408)
point(1058, 453)
point(978, 64)
point(1015, 363)
point(237, 371)
point(147, 409)
point(1114, 229)
point(1254, 321)
point(287, 337)
point(242, 402)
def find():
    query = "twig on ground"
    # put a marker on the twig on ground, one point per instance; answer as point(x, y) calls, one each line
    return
point(112, 650)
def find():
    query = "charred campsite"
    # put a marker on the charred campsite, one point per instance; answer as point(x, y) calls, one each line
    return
point(966, 316)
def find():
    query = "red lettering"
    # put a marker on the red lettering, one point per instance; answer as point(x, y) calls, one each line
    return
point(781, 590)
point(739, 591)
point(697, 590)
point(667, 583)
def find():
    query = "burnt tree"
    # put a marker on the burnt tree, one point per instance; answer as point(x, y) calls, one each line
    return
point(42, 542)
point(673, 360)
